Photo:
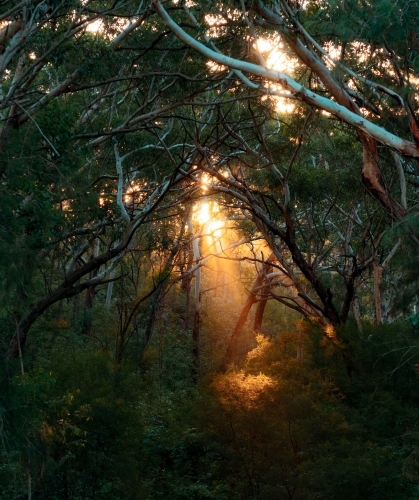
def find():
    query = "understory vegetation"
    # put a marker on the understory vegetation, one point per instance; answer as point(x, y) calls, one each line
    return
point(77, 424)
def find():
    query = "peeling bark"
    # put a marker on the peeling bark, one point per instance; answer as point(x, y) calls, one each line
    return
point(374, 181)
point(402, 179)
point(344, 107)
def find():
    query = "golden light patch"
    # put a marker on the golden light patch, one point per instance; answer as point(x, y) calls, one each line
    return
point(240, 390)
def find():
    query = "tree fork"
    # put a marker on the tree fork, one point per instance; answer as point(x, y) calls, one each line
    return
point(251, 299)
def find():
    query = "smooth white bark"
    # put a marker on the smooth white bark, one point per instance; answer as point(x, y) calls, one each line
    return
point(119, 195)
point(296, 90)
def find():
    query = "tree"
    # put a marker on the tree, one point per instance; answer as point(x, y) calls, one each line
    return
point(110, 89)
point(149, 150)
point(96, 100)
point(346, 105)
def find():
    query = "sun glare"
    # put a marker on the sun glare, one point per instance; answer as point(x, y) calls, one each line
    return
point(215, 227)
point(133, 193)
point(277, 59)
point(213, 66)
point(95, 26)
point(205, 179)
point(264, 45)
point(203, 214)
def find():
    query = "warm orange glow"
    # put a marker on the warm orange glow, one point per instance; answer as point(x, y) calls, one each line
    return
point(205, 179)
point(238, 389)
point(277, 58)
point(203, 214)
point(330, 331)
point(241, 389)
point(216, 67)
point(264, 45)
point(131, 192)
point(65, 205)
point(215, 228)
point(284, 106)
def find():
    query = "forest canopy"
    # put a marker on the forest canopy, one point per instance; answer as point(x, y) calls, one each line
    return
point(211, 207)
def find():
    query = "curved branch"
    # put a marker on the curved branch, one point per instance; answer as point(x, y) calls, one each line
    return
point(297, 90)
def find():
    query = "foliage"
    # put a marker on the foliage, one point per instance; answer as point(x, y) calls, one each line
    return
point(208, 259)
point(88, 428)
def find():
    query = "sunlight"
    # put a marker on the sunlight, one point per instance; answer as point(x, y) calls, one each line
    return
point(216, 23)
point(330, 331)
point(284, 106)
point(65, 205)
point(277, 59)
point(205, 179)
point(205, 211)
point(215, 227)
point(134, 193)
point(213, 66)
point(264, 45)
point(98, 26)
point(95, 26)
point(203, 214)
point(238, 389)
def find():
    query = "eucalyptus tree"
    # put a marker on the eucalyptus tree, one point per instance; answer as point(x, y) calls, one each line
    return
point(333, 88)
point(111, 117)
point(355, 75)
point(86, 119)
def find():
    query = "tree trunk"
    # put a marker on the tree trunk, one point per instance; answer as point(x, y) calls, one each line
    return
point(148, 334)
point(109, 290)
point(235, 336)
point(186, 283)
point(257, 325)
point(160, 289)
point(357, 313)
point(378, 272)
point(198, 295)
point(91, 291)
point(196, 333)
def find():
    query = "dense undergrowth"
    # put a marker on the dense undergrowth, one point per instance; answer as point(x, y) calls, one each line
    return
point(77, 425)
